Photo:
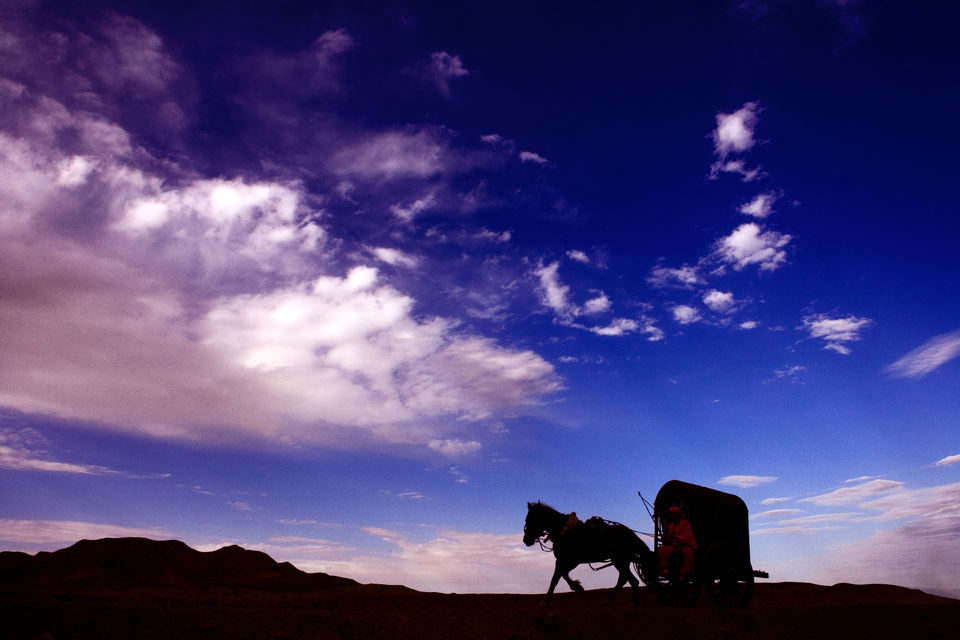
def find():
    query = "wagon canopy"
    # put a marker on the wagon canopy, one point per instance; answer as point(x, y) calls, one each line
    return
point(715, 516)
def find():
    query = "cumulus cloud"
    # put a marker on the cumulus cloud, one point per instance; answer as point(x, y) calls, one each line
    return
point(530, 156)
point(928, 357)
point(749, 245)
point(734, 136)
point(761, 206)
point(685, 314)
point(836, 332)
point(596, 305)
point(203, 308)
point(579, 256)
point(747, 482)
point(454, 448)
point(618, 327)
point(720, 301)
point(685, 277)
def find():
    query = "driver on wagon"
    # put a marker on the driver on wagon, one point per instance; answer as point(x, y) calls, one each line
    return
point(678, 536)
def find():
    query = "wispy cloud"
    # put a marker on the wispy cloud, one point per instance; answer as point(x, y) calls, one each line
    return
point(441, 70)
point(41, 534)
point(685, 277)
point(928, 357)
point(530, 156)
point(949, 460)
point(837, 332)
point(24, 450)
point(747, 482)
point(855, 494)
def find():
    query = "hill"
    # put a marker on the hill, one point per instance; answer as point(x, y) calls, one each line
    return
point(145, 589)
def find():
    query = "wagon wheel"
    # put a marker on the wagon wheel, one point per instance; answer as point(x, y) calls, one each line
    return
point(727, 584)
point(674, 592)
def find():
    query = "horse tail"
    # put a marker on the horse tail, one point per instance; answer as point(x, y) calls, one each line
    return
point(644, 561)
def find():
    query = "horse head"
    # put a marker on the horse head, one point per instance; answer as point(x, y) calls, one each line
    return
point(534, 526)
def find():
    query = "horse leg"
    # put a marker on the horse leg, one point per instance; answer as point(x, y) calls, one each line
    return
point(625, 575)
point(557, 572)
point(574, 584)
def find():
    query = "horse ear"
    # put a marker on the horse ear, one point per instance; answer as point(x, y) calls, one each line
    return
point(529, 504)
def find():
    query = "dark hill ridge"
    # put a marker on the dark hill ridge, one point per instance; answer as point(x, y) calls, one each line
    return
point(126, 562)
point(126, 588)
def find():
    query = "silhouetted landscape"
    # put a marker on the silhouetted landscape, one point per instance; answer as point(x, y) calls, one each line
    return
point(140, 588)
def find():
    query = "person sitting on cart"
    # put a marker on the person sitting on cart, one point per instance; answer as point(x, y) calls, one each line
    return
point(677, 537)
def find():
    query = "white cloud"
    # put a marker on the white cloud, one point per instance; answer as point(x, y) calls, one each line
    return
point(949, 460)
point(749, 244)
point(618, 327)
point(789, 372)
point(720, 301)
point(74, 171)
point(169, 315)
point(922, 552)
point(776, 513)
point(394, 257)
point(685, 314)
point(493, 236)
point(596, 305)
point(579, 256)
point(747, 482)
point(41, 534)
point(856, 494)
point(775, 500)
point(455, 448)
point(651, 330)
point(761, 206)
point(734, 132)
point(19, 460)
point(412, 210)
point(348, 351)
point(749, 324)
point(530, 156)
point(928, 357)
point(410, 153)
point(685, 277)
point(733, 137)
point(555, 292)
point(738, 167)
point(836, 332)
point(442, 69)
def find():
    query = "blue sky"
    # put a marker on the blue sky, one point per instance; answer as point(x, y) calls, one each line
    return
point(351, 286)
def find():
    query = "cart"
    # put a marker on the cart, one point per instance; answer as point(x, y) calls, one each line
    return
point(722, 558)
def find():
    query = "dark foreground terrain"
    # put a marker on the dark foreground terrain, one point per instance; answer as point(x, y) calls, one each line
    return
point(142, 589)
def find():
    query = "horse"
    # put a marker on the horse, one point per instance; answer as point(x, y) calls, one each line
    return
point(593, 541)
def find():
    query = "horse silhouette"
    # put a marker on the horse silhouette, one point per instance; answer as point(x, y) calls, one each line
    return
point(596, 540)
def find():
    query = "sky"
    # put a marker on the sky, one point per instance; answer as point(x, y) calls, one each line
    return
point(351, 283)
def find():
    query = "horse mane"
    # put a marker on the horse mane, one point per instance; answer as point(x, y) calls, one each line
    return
point(544, 505)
